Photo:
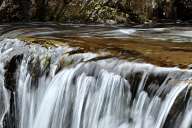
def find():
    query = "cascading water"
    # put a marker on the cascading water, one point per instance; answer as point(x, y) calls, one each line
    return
point(51, 88)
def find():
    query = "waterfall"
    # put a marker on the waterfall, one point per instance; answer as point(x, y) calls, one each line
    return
point(56, 87)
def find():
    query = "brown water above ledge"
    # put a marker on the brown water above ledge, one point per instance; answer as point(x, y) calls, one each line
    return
point(165, 54)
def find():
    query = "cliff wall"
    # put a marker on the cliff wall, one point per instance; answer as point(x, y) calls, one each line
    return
point(95, 11)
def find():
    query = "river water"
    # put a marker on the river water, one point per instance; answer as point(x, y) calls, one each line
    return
point(88, 80)
point(167, 32)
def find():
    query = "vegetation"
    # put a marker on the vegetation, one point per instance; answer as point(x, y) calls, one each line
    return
point(95, 11)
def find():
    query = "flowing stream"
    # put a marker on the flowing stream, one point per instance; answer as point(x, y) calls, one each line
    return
point(57, 87)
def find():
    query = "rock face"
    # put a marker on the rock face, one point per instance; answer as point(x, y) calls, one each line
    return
point(96, 11)
point(14, 10)
point(183, 9)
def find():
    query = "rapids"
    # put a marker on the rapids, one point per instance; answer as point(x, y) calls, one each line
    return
point(51, 88)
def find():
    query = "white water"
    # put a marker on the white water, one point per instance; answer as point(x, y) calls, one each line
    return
point(85, 94)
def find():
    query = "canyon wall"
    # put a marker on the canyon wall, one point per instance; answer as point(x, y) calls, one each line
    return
point(95, 11)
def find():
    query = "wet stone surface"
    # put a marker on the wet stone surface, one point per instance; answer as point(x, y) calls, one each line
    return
point(167, 54)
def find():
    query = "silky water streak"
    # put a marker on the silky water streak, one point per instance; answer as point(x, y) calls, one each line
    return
point(49, 88)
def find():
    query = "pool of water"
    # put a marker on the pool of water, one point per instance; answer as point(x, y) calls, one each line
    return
point(163, 45)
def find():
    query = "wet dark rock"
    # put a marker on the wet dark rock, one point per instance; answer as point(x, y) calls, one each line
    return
point(76, 51)
point(154, 81)
point(100, 58)
point(11, 72)
point(37, 67)
point(34, 70)
point(190, 66)
point(46, 66)
point(134, 79)
point(178, 109)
